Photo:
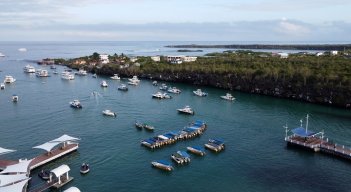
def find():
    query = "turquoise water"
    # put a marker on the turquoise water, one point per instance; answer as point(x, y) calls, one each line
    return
point(255, 159)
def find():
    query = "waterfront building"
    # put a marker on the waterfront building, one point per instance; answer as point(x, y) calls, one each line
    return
point(156, 58)
point(104, 58)
point(180, 59)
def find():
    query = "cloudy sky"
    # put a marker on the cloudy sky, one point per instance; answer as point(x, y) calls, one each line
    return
point(176, 20)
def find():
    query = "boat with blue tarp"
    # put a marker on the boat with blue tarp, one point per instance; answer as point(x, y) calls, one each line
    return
point(197, 150)
point(162, 164)
point(215, 145)
point(181, 157)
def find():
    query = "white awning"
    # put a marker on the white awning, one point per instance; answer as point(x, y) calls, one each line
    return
point(64, 138)
point(8, 179)
point(4, 151)
point(21, 167)
point(162, 137)
point(60, 170)
point(72, 189)
point(46, 146)
point(18, 187)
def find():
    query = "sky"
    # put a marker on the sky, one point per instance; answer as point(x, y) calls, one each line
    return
point(176, 20)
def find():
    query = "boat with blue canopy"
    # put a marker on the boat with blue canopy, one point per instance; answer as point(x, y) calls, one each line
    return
point(215, 145)
point(162, 164)
point(197, 150)
point(181, 157)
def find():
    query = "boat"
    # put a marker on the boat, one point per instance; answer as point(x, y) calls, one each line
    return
point(75, 104)
point(144, 125)
point(2, 55)
point(132, 83)
point(29, 69)
point(15, 98)
point(134, 79)
point(174, 90)
point(186, 110)
point(123, 87)
point(228, 96)
point(181, 157)
point(84, 168)
point(9, 79)
point(81, 72)
point(160, 95)
point(55, 72)
point(104, 84)
point(52, 67)
point(115, 77)
point(215, 145)
point(42, 73)
point(44, 174)
point(108, 112)
point(94, 75)
point(67, 75)
point(197, 150)
point(154, 83)
point(139, 125)
point(22, 49)
point(163, 87)
point(162, 164)
point(200, 93)
point(2, 86)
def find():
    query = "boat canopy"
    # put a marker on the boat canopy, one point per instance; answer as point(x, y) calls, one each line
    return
point(198, 148)
point(21, 167)
point(162, 137)
point(65, 138)
point(302, 132)
point(72, 189)
point(60, 170)
point(9, 179)
point(164, 162)
point(199, 123)
point(184, 154)
point(17, 187)
point(48, 146)
point(189, 130)
point(5, 151)
point(217, 141)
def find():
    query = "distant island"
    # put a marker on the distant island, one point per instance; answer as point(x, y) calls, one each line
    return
point(316, 47)
point(189, 50)
point(321, 77)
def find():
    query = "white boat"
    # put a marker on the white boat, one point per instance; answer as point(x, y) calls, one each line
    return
point(160, 95)
point(14, 98)
point(115, 77)
point(22, 49)
point(162, 164)
point(55, 72)
point(82, 72)
point(84, 168)
point(9, 79)
point(132, 83)
point(186, 110)
point(134, 79)
point(123, 87)
point(163, 87)
point(174, 90)
point(104, 84)
point(108, 112)
point(29, 69)
point(75, 104)
point(2, 55)
point(154, 83)
point(67, 75)
point(228, 96)
point(42, 73)
point(94, 75)
point(200, 93)
point(2, 86)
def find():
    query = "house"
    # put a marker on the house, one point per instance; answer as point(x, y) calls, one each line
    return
point(283, 55)
point(104, 58)
point(156, 58)
point(189, 59)
point(79, 62)
point(333, 52)
point(180, 59)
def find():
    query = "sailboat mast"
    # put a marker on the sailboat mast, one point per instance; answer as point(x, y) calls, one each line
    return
point(306, 123)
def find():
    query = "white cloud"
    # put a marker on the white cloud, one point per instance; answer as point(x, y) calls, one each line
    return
point(291, 28)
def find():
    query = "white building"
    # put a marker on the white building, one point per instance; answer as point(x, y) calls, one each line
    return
point(283, 55)
point(189, 59)
point(334, 52)
point(319, 54)
point(156, 58)
point(104, 58)
point(180, 59)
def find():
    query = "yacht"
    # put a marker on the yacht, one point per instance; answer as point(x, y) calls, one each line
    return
point(160, 95)
point(123, 87)
point(29, 69)
point(104, 84)
point(186, 110)
point(42, 73)
point(75, 104)
point(82, 72)
point(115, 77)
point(9, 79)
point(67, 75)
point(228, 96)
point(200, 93)
point(2, 86)
point(162, 164)
point(154, 83)
point(163, 87)
point(174, 90)
point(109, 113)
point(84, 168)
point(14, 98)
point(134, 79)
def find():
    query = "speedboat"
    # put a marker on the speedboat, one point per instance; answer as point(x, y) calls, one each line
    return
point(82, 72)
point(228, 96)
point(15, 98)
point(158, 95)
point(174, 90)
point(215, 145)
point(162, 164)
point(139, 125)
point(163, 87)
point(44, 174)
point(108, 112)
point(67, 75)
point(84, 168)
point(52, 67)
point(197, 150)
point(42, 73)
point(181, 157)
point(104, 84)
point(94, 75)
point(55, 72)
point(29, 69)
point(115, 77)
point(2, 86)
point(154, 83)
point(123, 87)
point(186, 110)
point(9, 79)
point(198, 92)
point(134, 79)
point(76, 104)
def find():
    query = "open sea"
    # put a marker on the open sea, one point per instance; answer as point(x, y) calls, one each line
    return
point(255, 159)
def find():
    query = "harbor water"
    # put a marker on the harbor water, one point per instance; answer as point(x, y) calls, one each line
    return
point(256, 157)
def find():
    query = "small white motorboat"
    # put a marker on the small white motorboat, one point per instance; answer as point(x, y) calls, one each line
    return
point(9, 79)
point(94, 75)
point(29, 69)
point(174, 90)
point(134, 79)
point(228, 97)
point(84, 168)
point(104, 84)
point(2, 55)
point(115, 77)
point(2, 86)
point(186, 110)
point(76, 104)
point(82, 72)
point(42, 73)
point(108, 112)
point(15, 98)
point(200, 93)
point(123, 87)
point(67, 75)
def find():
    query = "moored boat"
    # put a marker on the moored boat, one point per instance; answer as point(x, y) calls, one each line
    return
point(104, 84)
point(174, 90)
point(163, 87)
point(44, 174)
point(154, 83)
point(115, 77)
point(186, 110)
point(200, 93)
point(67, 75)
point(162, 164)
point(9, 79)
point(215, 145)
point(15, 98)
point(42, 73)
point(181, 157)
point(94, 75)
point(197, 150)
point(29, 69)
point(81, 72)
point(160, 95)
point(84, 168)
point(76, 104)
point(2, 86)
point(108, 112)
point(2, 55)
point(134, 79)
point(228, 97)
point(123, 87)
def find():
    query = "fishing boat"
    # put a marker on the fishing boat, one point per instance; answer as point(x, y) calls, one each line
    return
point(215, 145)
point(15, 98)
point(197, 150)
point(67, 75)
point(154, 83)
point(228, 97)
point(81, 72)
point(42, 73)
point(29, 69)
point(163, 87)
point(94, 75)
point(2, 86)
point(84, 168)
point(181, 157)
point(75, 104)
point(9, 79)
point(44, 174)
point(200, 93)
point(162, 164)
point(186, 110)
point(108, 112)
point(174, 90)
point(115, 77)
point(104, 84)
point(123, 87)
